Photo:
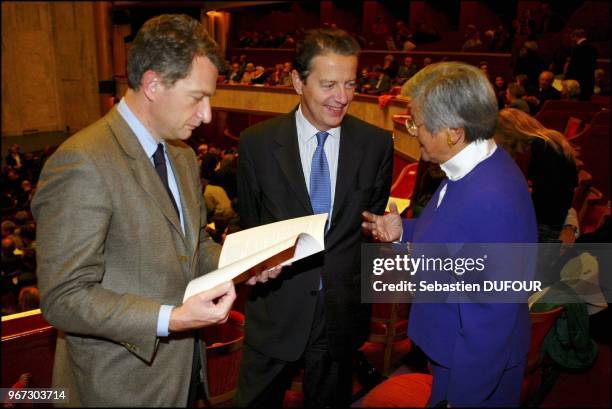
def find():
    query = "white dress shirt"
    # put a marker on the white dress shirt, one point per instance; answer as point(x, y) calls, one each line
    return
point(307, 142)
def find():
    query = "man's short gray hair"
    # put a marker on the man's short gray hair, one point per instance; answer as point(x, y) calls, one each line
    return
point(454, 95)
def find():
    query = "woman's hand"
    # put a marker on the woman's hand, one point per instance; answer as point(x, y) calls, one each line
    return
point(385, 228)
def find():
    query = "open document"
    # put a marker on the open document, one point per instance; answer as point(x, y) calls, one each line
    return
point(284, 242)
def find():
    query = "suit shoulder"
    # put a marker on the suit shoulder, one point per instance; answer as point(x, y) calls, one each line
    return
point(265, 128)
point(365, 127)
point(89, 141)
point(366, 132)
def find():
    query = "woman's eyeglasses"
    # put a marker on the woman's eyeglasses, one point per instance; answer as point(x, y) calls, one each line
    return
point(412, 127)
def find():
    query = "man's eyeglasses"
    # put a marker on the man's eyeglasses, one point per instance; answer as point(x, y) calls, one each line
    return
point(412, 127)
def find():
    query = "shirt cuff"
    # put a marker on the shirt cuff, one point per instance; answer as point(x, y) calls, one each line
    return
point(163, 320)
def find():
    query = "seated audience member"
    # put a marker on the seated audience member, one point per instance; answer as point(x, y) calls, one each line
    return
point(14, 158)
point(242, 61)
point(405, 71)
point(235, 74)
point(24, 194)
point(426, 61)
point(365, 81)
point(275, 77)
point(488, 38)
point(522, 80)
point(501, 40)
point(544, 92)
point(602, 83)
point(514, 97)
point(286, 74)
point(390, 66)
point(210, 161)
point(381, 83)
point(226, 175)
point(202, 150)
point(259, 76)
point(570, 89)
point(289, 42)
point(500, 90)
point(219, 208)
point(8, 228)
point(551, 170)
point(11, 181)
point(472, 37)
point(484, 67)
point(249, 73)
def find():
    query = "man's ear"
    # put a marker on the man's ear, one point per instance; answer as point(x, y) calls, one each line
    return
point(151, 84)
point(297, 82)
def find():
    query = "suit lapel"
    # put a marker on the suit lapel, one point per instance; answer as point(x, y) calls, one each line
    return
point(188, 200)
point(287, 153)
point(349, 158)
point(142, 168)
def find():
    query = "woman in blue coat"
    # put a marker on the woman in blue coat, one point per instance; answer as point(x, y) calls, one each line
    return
point(477, 351)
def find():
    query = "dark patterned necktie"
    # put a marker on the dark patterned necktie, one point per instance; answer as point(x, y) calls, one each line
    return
point(160, 166)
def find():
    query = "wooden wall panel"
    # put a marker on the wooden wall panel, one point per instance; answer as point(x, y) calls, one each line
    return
point(28, 63)
point(49, 72)
point(75, 49)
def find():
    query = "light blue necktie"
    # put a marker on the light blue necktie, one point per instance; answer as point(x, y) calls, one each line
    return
point(320, 183)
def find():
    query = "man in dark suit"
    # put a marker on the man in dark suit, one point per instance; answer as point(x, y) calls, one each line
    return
point(315, 159)
point(582, 63)
point(121, 232)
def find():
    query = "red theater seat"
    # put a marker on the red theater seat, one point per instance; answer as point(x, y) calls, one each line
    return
point(541, 323)
point(404, 185)
point(404, 391)
point(223, 355)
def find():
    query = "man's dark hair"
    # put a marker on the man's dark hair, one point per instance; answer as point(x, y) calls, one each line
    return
point(322, 41)
point(167, 44)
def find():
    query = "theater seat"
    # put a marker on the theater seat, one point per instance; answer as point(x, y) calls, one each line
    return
point(541, 323)
point(223, 355)
point(404, 391)
point(388, 326)
point(404, 184)
point(572, 127)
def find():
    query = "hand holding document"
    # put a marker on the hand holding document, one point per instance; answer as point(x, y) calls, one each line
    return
point(283, 242)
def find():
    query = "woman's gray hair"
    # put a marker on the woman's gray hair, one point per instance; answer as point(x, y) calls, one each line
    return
point(454, 95)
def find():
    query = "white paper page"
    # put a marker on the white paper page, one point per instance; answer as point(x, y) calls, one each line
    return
point(243, 243)
point(306, 235)
point(231, 271)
